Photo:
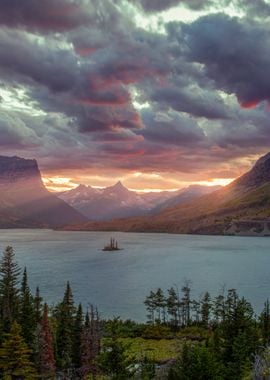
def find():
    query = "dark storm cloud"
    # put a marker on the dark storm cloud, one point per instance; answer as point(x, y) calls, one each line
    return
point(193, 101)
point(15, 133)
point(170, 128)
point(236, 55)
point(152, 6)
point(250, 128)
point(85, 79)
point(56, 15)
point(26, 60)
point(59, 83)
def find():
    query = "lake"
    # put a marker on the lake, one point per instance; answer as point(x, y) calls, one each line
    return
point(118, 282)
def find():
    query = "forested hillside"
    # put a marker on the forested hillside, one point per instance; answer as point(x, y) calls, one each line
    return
point(216, 338)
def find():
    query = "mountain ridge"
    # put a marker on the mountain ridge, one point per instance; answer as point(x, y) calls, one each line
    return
point(246, 198)
point(117, 201)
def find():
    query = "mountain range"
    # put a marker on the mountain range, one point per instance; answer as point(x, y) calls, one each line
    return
point(243, 206)
point(119, 202)
point(25, 202)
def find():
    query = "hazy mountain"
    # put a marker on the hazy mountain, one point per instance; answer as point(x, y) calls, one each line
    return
point(108, 203)
point(184, 196)
point(119, 202)
point(25, 202)
point(245, 201)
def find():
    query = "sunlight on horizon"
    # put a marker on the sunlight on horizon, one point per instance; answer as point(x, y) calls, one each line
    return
point(59, 184)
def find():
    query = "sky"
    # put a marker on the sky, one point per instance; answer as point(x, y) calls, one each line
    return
point(159, 94)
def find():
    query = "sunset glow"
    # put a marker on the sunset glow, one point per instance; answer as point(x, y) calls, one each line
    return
point(56, 184)
point(157, 94)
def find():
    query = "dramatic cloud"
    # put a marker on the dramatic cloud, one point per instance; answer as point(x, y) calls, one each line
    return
point(161, 5)
point(93, 87)
point(49, 15)
point(236, 55)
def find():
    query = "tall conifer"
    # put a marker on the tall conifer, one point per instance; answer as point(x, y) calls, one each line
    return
point(38, 306)
point(9, 294)
point(46, 348)
point(27, 311)
point(65, 330)
point(78, 329)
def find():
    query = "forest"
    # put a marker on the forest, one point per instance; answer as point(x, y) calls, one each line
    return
point(217, 338)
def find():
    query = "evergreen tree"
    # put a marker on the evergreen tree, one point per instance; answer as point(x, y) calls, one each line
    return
point(38, 306)
point(265, 323)
point(65, 330)
point(196, 308)
point(78, 329)
point(114, 360)
point(150, 307)
point(206, 309)
point(90, 343)
point(186, 303)
point(160, 306)
point(196, 363)
point(237, 337)
point(219, 308)
point(46, 348)
point(27, 312)
point(173, 306)
point(15, 355)
point(37, 322)
point(9, 294)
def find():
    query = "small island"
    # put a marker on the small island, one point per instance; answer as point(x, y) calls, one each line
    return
point(113, 246)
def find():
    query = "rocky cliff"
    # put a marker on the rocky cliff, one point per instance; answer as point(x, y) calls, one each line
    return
point(24, 200)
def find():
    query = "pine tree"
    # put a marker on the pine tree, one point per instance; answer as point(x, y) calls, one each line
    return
point(219, 308)
point(78, 329)
point(38, 306)
point(197, 363)
point(27, 312)
point(265, 323)
point(15, 355)
point(114, 360)
point(238, 336)
point(90, 343)
point(206, 309)
point(46, 350)
point(160, 305)
point(186, 303)
point(9, 297)
point(173, 306)
point(65, 330)
point(150, 307)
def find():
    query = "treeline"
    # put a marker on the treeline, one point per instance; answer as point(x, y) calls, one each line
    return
point(36, 342)
point(235, 334)
point(218, 338)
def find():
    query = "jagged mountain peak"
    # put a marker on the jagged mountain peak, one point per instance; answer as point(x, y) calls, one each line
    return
point(118, 187)
point(81, 186)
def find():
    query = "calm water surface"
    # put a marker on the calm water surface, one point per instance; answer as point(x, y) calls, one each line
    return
point(117, 282)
